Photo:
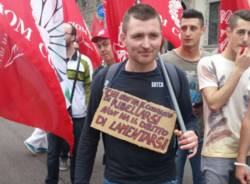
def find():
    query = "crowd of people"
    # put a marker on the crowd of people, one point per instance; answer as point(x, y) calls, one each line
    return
point(213, 101)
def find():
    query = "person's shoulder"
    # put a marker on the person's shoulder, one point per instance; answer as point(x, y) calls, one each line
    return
point(85, 58)
point(172, 66)
point(100, 73)
point(209, 58)
point(86, 61)
point(168, 54)
point(99, 78)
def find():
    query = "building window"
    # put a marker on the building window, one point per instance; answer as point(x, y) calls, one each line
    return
point(213, 22)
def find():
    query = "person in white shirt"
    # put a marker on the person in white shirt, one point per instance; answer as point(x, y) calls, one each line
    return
point(242, 169)
point(224, 80)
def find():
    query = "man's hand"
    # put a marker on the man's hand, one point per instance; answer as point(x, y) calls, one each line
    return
point(187, 141)
point(242, 174)
point(243, 58)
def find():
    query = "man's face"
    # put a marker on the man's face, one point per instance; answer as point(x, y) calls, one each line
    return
point(191, 31)
point(69, 38)
point(105, 50)
point(239, 36)
point(143, 40)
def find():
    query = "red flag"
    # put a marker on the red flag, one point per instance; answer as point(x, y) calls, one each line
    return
point(30, 92)
point(73, 15)
point(227, 7)
point(170, 14)
point(96, 25)
point(115, 10)
point(98, 20)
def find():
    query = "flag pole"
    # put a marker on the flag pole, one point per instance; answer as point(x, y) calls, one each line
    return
point(172, 94)
point(173, 97)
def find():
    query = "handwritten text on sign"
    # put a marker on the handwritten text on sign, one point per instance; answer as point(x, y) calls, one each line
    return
point(135, 120)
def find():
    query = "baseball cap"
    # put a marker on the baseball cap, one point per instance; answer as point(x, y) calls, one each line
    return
point(103, 33)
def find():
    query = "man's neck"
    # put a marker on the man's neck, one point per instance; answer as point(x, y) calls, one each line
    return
point(191, 54)
point(229, 54)
point(132, 66)
point(70, 51)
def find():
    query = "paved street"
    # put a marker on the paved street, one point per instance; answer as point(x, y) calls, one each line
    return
point(19, 166)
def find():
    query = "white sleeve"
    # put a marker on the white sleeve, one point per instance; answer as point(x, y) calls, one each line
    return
point(87, 59)
point(207, 73)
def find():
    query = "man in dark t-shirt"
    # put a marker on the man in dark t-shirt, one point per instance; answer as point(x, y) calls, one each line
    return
point(127, 163)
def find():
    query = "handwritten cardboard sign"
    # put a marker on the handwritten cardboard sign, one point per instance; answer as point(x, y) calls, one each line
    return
point(135, 120)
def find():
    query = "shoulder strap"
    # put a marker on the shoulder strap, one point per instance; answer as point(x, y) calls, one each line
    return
point(75, 79)
point(112, 71)
point(174, 78)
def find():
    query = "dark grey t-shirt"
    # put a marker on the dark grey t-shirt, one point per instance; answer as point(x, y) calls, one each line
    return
point(190, 69)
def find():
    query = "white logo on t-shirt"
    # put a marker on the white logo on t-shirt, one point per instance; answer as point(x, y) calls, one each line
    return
point(157, 84)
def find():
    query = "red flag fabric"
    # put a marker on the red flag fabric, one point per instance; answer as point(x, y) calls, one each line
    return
point(98, 20)
point(115, 10)
point(73, 15)
point(227, 7)
point(170, 13)
point(30, 92)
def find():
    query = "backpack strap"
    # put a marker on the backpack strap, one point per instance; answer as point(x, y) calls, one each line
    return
point(111, 73)
point(114, 69)
point(75, 79)
point(174, 78)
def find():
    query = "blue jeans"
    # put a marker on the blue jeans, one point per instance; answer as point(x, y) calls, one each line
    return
point(64, 151)
point(167, 182)
point(77, 128)
point(195, 162)
point(55, 146)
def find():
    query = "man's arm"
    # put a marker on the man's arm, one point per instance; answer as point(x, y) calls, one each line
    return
point(242, 173)
point(187, 140)
point(217, 97)
point(88, 69)
point(89, 137)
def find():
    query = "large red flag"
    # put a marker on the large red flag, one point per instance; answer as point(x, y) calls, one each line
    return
point(96, 25)
point(72, 14)
point(227, 7)
point(30, 91)
point(115, 10)
point(98, 20)
point(170, 11)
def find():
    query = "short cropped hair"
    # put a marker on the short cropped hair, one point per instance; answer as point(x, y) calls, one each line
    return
point(192, 13)
point(141, 12)
point(240, 14)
